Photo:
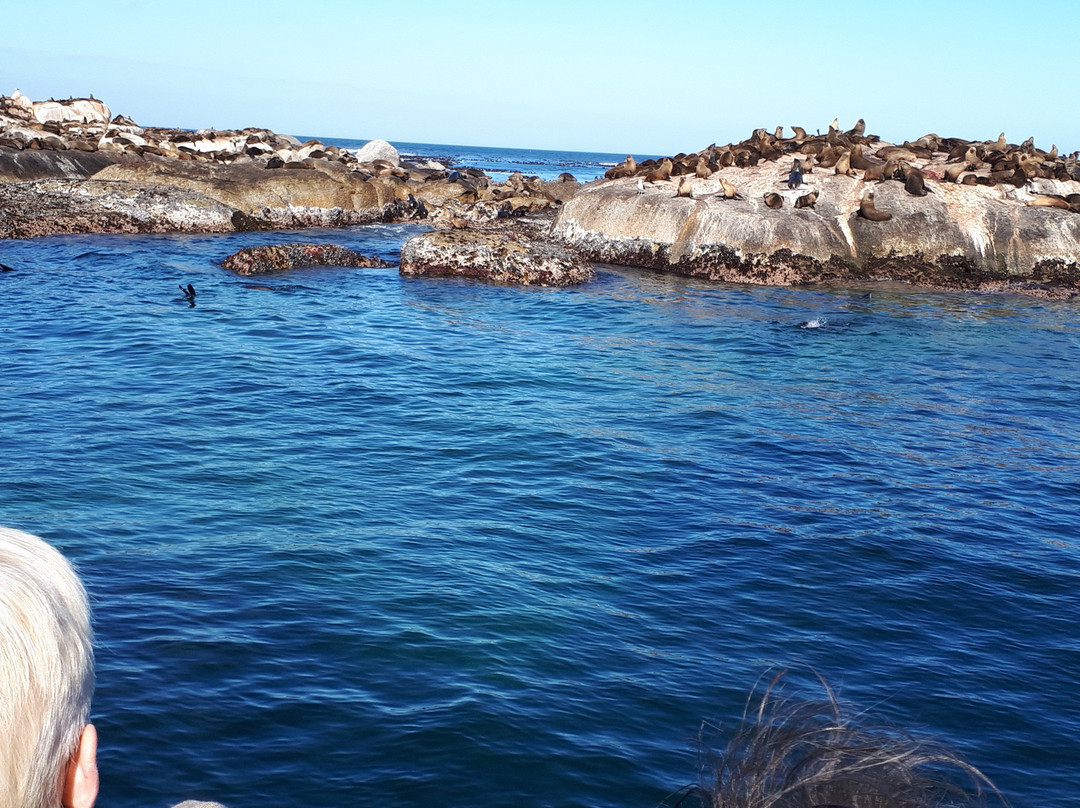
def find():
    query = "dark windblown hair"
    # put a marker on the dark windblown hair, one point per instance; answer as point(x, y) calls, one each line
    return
point(817, 754)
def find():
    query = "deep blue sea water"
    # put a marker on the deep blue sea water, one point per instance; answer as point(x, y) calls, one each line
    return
point(353, 538)
point(499, 163)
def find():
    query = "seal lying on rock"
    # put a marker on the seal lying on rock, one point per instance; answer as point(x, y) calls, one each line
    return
point(275, 257)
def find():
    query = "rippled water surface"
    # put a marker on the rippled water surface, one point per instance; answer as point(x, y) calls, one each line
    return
point(353, 538)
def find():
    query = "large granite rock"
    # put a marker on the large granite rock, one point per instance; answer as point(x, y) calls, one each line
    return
point(957, 236)
point(946, 212)
point(73, 110)
point(279, 257)
point(378, 150)
point(46, 207)
point(321, 194)
point(20, 165)
point(495, 256)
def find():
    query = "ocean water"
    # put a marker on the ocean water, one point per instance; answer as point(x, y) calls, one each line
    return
point(499, 163)
point(356, 538)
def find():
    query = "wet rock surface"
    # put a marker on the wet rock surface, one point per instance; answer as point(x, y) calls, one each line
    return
point(46, 207)
point(503, 256)
point(280, 257)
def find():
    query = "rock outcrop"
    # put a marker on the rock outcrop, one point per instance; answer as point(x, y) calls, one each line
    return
point(265, 179)
point(378, 150)
point(280, 257)
point(46, 207)
point(496, 256)
point(756, 219)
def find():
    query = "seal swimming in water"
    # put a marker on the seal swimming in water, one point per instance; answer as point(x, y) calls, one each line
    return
point(868, 211)
point(189, 292)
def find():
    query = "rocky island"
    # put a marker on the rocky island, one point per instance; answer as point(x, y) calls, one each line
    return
point(845, 206)
point(73, 167)
point(840, 207)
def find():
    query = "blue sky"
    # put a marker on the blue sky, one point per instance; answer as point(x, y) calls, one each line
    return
point(640, 77)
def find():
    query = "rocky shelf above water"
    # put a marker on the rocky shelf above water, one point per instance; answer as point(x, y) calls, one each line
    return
point(71, 167)
point(737, 214)
point(939, 212)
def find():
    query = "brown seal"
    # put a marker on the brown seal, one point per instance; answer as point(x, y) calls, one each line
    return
point(727, 190)
point(623, 169)
point(1046, 201)
point(774, 201)
point(868, 211)
point(858, 160)
point(953, 171)
point(807, 200)
point(663, 172)
point(858, 130)
point(686, 186)
point(843, 164)
point(915, 182)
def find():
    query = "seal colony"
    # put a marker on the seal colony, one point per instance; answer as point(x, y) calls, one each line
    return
point(942, 212)
point(773, 209)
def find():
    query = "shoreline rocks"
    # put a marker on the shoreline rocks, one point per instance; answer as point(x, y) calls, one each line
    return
point(746, 213)
point(952, 244)
point(280, 257)
point(495, 256)
point(938, 212)
point(269, 180)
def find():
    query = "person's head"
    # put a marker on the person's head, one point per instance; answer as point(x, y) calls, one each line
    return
point(47, 748)
point(821, 754)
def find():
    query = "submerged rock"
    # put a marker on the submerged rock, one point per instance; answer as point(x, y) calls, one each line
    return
point(497, 257)
point(277, 257)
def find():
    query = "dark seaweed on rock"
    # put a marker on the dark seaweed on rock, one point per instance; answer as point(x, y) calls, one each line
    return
point(276, 257)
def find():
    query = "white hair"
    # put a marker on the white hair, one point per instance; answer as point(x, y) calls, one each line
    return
point(46, 669)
